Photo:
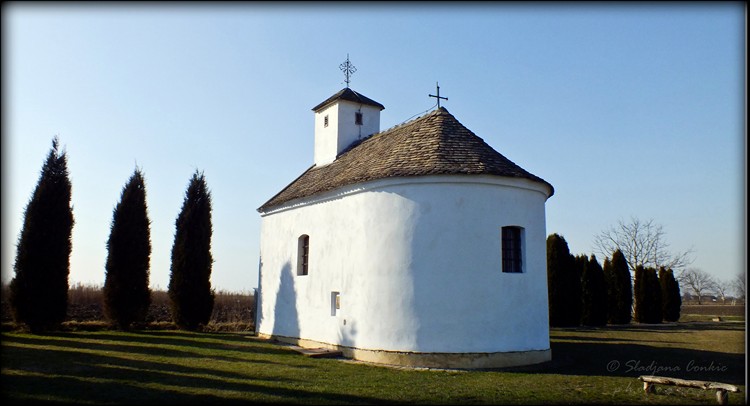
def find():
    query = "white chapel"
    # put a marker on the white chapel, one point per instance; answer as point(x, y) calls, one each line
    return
point(419, 245)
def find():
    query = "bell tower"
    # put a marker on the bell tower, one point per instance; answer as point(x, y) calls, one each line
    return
point(343, 119)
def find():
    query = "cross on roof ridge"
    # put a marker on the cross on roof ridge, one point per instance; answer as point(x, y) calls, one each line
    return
point(438, 97)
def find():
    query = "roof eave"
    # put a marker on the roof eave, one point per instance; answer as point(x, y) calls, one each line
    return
point(342, 95)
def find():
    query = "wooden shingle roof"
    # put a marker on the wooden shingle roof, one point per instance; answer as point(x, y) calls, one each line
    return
point(434, 144)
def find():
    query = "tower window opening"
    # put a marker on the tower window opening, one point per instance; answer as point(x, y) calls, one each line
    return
point(358, 118)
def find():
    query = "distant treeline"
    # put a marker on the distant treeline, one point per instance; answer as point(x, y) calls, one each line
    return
point(583, 292)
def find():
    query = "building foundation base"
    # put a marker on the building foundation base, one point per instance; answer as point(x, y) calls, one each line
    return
point(444, 360)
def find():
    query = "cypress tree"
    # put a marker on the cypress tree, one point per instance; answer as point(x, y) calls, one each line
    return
point(620, 290)
point(582, 264)
point(576, 300)
point(670, 295)
point(611, 288)
point(593, 294)
point(654, 291)
point(638, 289)
point(190, 293)
point(39, 291)
point(555, 258)
point(647, 296)
point(126, 292)
point(564, 284)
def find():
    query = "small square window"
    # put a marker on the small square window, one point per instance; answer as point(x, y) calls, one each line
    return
point(358, 118)
point(325, 121)
point(335, 302)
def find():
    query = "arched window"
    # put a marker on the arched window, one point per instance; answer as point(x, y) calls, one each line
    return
point(303, 254)
point(512, 249)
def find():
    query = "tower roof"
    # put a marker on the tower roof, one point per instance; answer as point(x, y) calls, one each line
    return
point(350, 95)
point(434, 144)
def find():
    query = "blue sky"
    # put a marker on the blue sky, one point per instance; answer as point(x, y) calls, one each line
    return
point(628, 110)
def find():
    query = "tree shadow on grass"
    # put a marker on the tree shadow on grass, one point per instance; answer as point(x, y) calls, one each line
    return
point(601, 358)
point(599, 339)
point(177, 337)
point(153, 344)
point(674, 327)
point(81, 344)
point(27, 390)
point(111, 366)
point(33, 375)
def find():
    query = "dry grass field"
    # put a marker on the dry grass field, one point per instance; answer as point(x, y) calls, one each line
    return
point(714, 310)
point(232, 310)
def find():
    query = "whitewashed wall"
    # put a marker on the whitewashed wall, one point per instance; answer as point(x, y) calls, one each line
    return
point(342, 130)
point(417, 262)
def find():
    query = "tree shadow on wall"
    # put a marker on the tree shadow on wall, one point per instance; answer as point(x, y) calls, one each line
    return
point(285, 316)
point(348, 334)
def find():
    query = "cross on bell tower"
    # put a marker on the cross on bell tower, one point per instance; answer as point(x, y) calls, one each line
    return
point(438, 95)
point(348, 69)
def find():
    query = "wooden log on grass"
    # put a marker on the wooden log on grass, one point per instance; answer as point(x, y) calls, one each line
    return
point(722, 389)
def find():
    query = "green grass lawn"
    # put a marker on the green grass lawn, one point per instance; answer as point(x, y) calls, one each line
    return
point(590, 365)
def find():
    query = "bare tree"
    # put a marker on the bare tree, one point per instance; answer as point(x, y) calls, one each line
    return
point(722, 288)
point(697, 281)
point(643, 243)
point(739, 284)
